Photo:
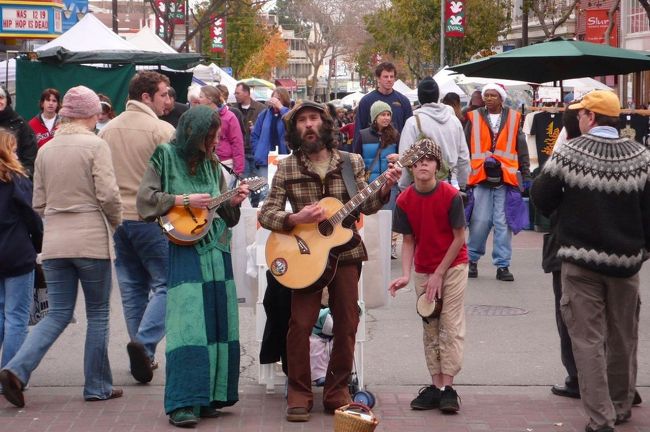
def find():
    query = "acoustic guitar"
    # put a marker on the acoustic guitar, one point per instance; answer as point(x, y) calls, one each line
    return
point(306, 257)
point(185, 226)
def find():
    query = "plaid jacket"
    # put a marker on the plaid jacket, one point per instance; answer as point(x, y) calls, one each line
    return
point(297, 182)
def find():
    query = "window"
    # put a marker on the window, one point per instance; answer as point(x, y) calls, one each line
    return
point(636, 20)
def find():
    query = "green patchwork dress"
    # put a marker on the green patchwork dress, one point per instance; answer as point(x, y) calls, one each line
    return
point(202, 322)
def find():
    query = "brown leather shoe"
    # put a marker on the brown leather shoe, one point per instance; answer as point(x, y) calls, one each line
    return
point(12, 388)
point(298, 414)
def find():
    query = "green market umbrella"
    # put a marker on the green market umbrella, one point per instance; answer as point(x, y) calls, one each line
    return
point(556, 60)
point(258, 82)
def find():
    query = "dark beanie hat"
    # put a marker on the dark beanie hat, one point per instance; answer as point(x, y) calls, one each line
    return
point(428, 90)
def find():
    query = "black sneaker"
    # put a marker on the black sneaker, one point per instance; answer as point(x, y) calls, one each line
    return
point(473, 270)
point(637, 399)
point(449, 401)
point(503, 274)
point(428, 398)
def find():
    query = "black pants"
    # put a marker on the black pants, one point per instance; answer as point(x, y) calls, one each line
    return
point(566, 351)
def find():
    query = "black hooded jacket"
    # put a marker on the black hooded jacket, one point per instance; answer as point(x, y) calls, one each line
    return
point(27, 147)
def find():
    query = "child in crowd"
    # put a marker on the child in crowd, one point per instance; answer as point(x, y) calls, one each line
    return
point(430, 215)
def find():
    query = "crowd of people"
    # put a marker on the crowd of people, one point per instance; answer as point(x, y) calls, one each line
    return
point(83, 187)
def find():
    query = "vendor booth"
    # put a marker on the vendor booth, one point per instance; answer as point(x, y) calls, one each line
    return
point(91, 54)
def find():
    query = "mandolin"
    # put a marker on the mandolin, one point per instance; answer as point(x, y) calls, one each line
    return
point(185, 226)
point(306, 257)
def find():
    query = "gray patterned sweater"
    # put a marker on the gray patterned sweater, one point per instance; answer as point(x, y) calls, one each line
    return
point(601, 189)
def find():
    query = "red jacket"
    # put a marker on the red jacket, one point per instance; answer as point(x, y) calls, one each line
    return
point(43, 134)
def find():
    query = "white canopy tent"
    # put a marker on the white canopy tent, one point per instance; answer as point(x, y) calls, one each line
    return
point(212, 74)
point(352, 99)
point(89, 34)
point(147, 40)
point(445, 78)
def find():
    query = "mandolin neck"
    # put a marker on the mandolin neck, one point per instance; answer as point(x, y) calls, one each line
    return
point(217, 201)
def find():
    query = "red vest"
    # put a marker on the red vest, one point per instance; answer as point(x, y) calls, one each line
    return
point(428, 216)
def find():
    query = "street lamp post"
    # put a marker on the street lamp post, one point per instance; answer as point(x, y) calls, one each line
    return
point(442, 33)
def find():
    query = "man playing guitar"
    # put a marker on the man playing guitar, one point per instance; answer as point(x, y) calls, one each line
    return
point(314, 171)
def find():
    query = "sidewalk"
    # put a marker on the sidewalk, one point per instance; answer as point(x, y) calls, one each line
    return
point(484, 408)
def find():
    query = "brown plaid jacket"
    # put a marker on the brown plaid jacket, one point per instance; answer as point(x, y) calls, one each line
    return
point(297, 182)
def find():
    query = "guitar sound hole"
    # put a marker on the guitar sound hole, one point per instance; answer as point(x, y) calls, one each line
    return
point(325, 228)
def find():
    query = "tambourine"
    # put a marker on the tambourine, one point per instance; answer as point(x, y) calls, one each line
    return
point(428, 310)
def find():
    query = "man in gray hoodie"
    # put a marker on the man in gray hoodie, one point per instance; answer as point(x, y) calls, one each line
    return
point(439, 123)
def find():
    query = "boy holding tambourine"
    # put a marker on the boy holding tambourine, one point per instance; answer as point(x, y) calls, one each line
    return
point(430, 215)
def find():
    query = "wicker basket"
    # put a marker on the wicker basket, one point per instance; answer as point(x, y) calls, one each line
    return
point(354, 417)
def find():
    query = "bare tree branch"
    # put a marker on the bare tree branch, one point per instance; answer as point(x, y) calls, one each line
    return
point(548, 9)
point(610, 15)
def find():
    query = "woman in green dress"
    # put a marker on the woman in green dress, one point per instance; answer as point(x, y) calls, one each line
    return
point(202, 322)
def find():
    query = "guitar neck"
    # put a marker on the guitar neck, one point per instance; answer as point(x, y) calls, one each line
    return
point(359, 198)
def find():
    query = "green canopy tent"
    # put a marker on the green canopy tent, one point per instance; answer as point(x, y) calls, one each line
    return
point(62, 69)
point(556, 60)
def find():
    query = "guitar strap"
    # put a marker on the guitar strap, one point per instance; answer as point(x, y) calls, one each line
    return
point(348, 175)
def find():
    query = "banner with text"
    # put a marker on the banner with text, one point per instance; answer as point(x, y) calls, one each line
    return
point(455, 18)
point(597, 21)
point(218, 35)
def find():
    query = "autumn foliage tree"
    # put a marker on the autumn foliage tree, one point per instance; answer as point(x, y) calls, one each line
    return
point(246, 34)
point(274, 53)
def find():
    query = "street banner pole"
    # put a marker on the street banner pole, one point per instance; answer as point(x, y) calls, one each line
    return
point(443, 5)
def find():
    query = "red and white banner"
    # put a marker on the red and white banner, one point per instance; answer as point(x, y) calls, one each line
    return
point(455, 18)
point(597, 21)
point(218, 35)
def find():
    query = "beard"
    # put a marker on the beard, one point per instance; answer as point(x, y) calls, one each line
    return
point(311, 146)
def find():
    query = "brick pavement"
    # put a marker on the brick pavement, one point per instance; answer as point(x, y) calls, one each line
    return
point(484, 408)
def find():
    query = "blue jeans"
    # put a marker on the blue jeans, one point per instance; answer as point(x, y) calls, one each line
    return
point(63, 276)
point(263, 172)
point(141, 264)
point(16, 294)
point(249, 166)
point(489, 211)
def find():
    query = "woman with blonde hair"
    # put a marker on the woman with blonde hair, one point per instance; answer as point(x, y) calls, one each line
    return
point(76, 190)
point(21, 233)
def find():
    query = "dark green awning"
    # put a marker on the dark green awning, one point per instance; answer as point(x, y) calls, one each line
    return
point(177, 61)
point(556, 60)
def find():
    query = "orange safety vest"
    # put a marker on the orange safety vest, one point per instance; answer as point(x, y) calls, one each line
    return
point(505, 150)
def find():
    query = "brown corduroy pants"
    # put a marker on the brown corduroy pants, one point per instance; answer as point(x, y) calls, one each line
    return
point(343, 296)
